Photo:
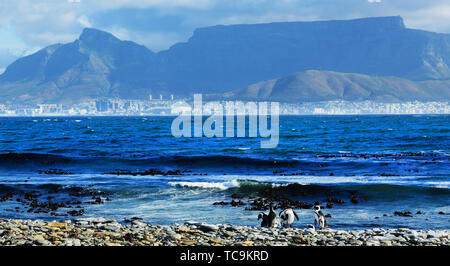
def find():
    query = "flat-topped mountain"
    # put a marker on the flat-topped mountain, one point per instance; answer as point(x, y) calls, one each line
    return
point(225, 58)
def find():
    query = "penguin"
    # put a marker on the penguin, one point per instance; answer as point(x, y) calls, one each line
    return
point(311, 228)
point(319, 217)
point(269, 220)
point(265, 219)
point(272, 217)
point(276, 222)
point(288, 217)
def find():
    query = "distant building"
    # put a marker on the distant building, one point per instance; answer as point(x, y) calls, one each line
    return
point(101, 105)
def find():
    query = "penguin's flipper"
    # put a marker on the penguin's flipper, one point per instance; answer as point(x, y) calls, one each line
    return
point(296, 216)
point(260, 216)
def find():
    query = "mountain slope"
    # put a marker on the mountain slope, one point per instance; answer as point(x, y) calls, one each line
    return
point(95, 65)
point(313, 85)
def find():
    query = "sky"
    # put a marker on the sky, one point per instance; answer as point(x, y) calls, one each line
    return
point(29, 25)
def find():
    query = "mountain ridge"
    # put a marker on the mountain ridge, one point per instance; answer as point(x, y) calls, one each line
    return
point(316, 85)
point(220, 58)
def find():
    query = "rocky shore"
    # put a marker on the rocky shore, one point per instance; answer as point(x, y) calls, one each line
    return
point(108, 232)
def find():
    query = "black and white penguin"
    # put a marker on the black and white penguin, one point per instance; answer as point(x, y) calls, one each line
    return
point(272, 217)
point(288, 216)
point(319, 217)
point(269, 220)
point(265, 219)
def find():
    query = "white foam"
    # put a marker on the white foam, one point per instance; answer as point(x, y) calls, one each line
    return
point(208, 185)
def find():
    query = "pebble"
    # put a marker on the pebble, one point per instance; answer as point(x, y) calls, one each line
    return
point(108, 232)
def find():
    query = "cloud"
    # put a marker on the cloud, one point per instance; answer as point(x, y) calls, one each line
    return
point(160, 23)
point(84, 21)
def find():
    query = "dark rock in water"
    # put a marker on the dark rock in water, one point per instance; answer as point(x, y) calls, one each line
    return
point(132, 219)
point(328, 215)
point(403, 214)
point(76, 213)
point(329, 205)
point(334, 200)
point(54, 172)
point(220, 203)
point(419, 212)
point(151, 172)
point(354, 200)
point(442, 213)
point(236, 203)
point(39, 202)
point(96, 200)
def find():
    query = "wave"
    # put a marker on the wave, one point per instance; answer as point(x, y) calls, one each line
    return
point(20, 158)
point(320, 184)
point(333, 164)
point(241, 184)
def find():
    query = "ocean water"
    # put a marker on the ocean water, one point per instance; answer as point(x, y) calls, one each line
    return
point(392, 163)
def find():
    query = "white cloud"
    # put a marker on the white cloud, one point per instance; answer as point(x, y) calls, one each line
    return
point(40, 23)
point(120, 32)
point(84, 21)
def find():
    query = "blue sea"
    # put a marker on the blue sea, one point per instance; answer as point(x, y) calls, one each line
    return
point(391, 163)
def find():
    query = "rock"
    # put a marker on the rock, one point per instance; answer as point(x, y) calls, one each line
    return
point(111, 227)
point(208, 227)
point(41, 242)
point(354, 199)
point(189, 242)
point(57, 224)
point(403, 214)
point(229, 234)
point(109, 244)
point(94, 220)
point(111, 233)
point(72, 242)
point(174, 236)
point(138, 223)
point(244, 243)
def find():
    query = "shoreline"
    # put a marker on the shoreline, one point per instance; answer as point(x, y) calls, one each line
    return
point(109, 232)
